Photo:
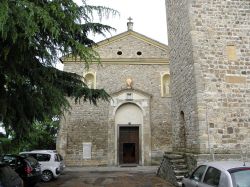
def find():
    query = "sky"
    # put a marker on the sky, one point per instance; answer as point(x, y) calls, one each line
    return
point(149, 17)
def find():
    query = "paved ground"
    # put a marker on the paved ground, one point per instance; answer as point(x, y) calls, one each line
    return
point(108, 177)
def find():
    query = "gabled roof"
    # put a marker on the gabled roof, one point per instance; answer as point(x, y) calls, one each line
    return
point(130, 47)
point(135, 35)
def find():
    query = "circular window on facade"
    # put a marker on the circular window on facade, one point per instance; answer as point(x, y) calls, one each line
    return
point(139, 53)
point(119, 53)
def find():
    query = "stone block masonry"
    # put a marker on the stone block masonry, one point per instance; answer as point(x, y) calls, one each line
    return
point(88, 123)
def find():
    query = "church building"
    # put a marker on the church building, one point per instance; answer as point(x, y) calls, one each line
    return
point(134, 127)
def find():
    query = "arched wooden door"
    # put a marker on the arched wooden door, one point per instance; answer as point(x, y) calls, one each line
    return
point(129, 120)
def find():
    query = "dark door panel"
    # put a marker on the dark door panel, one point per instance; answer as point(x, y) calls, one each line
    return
point(129, 145)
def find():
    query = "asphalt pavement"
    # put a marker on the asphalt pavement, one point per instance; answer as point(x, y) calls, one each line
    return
point(140, 176)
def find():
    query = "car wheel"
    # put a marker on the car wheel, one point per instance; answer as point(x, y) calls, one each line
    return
point(47, 176)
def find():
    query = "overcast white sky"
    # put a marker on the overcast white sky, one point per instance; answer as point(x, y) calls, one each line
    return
point(149, 17)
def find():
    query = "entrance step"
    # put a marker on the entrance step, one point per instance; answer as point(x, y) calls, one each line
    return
point(128, 165)
point(180, 172)
point(174, 156)
point(177, 161)
point(180, 166)
point(173, 167)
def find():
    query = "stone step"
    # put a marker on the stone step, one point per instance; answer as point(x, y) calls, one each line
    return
point(180, 166)
point(174, 156)
point(177, 161)
point(179, 184)
point(179, 177)
point(180, 172)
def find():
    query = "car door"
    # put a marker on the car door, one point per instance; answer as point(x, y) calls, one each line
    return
point(196, 177)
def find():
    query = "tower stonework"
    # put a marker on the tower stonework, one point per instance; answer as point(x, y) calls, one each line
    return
point(210, 76)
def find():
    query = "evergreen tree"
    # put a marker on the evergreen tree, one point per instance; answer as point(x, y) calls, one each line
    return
point(33, 34)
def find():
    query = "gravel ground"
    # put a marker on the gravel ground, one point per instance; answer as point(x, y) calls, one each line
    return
point(112, 177)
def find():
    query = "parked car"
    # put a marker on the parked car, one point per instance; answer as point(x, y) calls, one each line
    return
point(51, 163)
point(219, 174)
point(8, 177)
point(27, 168)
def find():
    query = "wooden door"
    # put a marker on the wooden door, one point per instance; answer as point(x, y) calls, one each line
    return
point(129, 145)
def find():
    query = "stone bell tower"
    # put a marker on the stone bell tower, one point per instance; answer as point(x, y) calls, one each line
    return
point(210, 66)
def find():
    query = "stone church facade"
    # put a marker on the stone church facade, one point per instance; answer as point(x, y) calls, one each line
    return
point(209, 45)
point(134, 128)
point(191, 98)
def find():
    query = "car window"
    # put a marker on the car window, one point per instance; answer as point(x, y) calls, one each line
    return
point(9, 159)
point(43, 157)
point(57, 158)
point(212, 176)
point(30, 155)
point(197, 174)
point(240, 177)
point(33, 162)
point(60, 156)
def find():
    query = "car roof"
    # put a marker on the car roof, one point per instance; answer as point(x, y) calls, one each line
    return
point(48, 151)
point(39, 151)
point(226, 165)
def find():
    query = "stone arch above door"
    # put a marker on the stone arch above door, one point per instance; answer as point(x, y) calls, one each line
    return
point(129, 113)
point(134, 102)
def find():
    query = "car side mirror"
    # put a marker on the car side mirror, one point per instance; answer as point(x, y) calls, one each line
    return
point(186, 175)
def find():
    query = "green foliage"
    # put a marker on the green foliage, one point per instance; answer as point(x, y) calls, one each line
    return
point(5, 144)
point(41, 136)
point(33, 34)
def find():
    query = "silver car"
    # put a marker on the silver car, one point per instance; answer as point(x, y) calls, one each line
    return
point(51, 163)
point(219, 174)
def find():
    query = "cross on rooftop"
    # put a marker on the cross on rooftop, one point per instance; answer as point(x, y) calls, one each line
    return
point(130, 23)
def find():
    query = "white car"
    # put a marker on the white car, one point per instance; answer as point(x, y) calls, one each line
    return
point(219, 174)
point(51, 163)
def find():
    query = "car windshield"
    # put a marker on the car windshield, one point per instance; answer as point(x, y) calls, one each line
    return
point(9, 157)
point(240, 177)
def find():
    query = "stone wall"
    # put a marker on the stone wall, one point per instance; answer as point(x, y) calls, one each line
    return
point(183, 80)
point(210, 65)
point(81, 128)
